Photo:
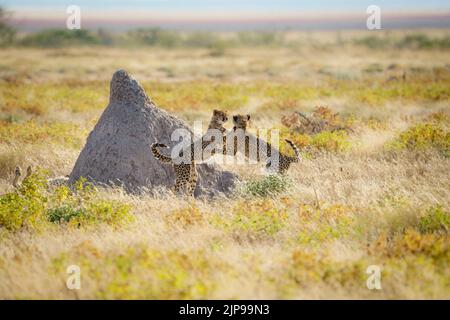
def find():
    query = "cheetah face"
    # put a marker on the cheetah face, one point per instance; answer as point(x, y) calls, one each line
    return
point(240, 121)
point(220, 117)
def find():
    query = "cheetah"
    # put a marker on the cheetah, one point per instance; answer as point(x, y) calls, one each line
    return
point(52, 182)
point(186, 174)
point(18, 173)
point(264, 151)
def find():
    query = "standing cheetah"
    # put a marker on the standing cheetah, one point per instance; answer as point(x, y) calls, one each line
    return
point(186, 173)
point(275, 159)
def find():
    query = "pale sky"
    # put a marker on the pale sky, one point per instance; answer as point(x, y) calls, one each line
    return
point(232, 14)
point(298, 5)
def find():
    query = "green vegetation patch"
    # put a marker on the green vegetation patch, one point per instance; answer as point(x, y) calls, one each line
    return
point(33, 205)
point(31, 132)
point(436, 219)
point(140, 272)
point(423, 136)
point(42, 98)
point(267, 186)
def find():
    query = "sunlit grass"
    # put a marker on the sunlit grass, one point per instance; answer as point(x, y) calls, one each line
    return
point(31, 132)
point(373, 192)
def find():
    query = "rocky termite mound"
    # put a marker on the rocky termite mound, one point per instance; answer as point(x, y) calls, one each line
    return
point(118, 150)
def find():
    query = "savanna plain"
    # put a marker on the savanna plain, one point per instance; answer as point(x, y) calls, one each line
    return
point(370, 115)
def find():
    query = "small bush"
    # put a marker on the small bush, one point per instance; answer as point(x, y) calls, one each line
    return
point(268, 186)
point(423, 136)
point(336, 141)
point(325, 223)
point(80, 206)
point(435, 220)
point(109, 212)
point(64, 213)
point(412, 243)
point(26, 207)
point(113, 213)
point(256, 219)
point(33, 204)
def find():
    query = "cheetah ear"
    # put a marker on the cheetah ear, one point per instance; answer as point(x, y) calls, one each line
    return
point(216, 111)
point(235, 118)
point(248, 117)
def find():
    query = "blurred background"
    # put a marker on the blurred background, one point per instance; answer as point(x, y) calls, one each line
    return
point(166, 22)
point(369, 110)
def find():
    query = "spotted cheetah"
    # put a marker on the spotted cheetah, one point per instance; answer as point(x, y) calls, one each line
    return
point(186, 173)
point(264, 151)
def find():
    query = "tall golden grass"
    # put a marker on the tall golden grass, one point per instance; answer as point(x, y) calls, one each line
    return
point(381, 199)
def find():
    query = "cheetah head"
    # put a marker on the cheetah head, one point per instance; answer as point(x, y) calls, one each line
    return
point(220, 117)
point(241, 121)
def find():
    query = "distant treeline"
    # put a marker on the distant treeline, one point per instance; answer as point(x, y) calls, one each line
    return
point(148, 37)
point(212, 40)
point(411, 41)
point(215, 41)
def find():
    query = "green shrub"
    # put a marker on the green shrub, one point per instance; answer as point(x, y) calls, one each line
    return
point(435, 220)
point(335, 141)
point(109, 212)
point(256, 220)
point(423, 136)
point(26, 207)
point(268, 186)
point(64, 213)
point(324, 223)
point(33, 205)
point(80, 206)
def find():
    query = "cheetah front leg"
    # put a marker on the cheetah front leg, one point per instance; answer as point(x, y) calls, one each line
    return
point(193, 177)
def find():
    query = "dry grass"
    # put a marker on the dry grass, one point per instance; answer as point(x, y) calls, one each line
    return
point(376, 195)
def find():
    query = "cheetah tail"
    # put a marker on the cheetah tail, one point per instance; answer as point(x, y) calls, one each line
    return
point(296, 150)
point(158, 155)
